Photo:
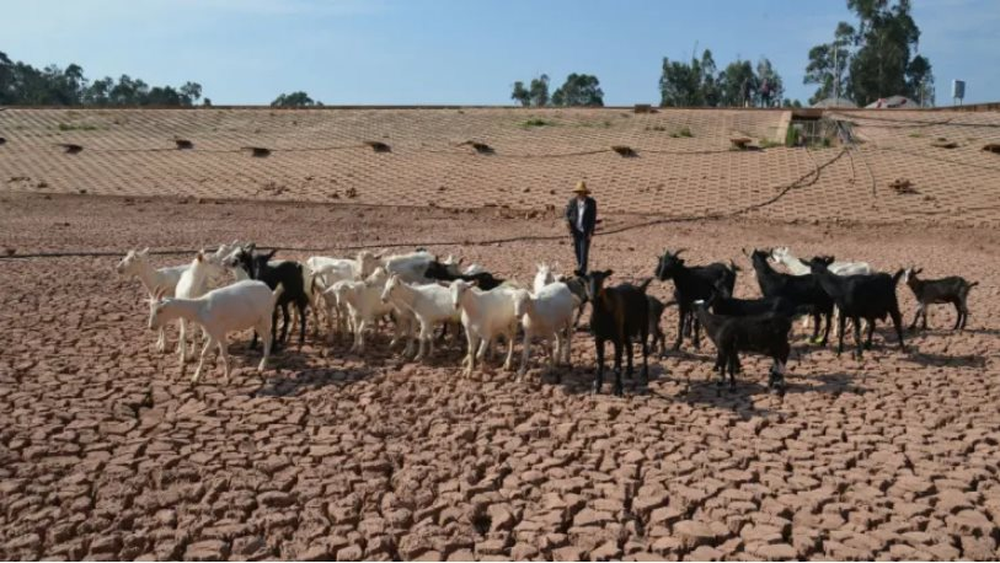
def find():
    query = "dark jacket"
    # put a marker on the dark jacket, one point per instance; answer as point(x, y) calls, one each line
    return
point(589, 215)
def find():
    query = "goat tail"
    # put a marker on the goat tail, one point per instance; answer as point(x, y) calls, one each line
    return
point(734, 267)
point(645, 284)
point(278, 290)
point(972, 284)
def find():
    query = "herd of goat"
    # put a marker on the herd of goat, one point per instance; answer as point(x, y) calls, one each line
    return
point(420, 293)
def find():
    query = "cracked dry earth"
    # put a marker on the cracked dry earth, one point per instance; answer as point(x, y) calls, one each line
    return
point(105, 453)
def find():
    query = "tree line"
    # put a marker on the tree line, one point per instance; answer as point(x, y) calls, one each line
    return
point(873, 59)
point(24, 85)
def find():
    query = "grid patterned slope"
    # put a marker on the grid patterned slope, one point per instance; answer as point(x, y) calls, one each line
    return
point(534, 158)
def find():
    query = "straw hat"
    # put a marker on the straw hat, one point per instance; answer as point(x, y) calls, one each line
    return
point(581, 188)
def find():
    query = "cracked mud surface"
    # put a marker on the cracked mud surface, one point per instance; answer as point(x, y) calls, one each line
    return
point(106, 453)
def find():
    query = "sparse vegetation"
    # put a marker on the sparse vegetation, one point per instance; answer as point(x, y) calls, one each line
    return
point(792, 137)
point(656, 128)
point(915, 135)
point(603, 124)
point(769, 144)
point(683, 132)
point(77, 127)
point(536, 122)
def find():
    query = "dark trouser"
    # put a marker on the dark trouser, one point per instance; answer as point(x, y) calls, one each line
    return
point(581, 247)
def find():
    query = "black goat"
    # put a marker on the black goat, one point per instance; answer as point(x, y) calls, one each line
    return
point(953, 289)
point(658, 338)
point(725, 304)
point(863, 296)
point(441, 272)
point(289, 274)
point(803, 291)
point(763, 334)
point(618, 314)
point(692, 284)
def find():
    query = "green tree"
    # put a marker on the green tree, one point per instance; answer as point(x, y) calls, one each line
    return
point(737, 84)
point(295, 99)
point(579, 90)
point(877, 54)
point(520, 94)
point(99, 92)
point(538, 91)
point(536, 94)
point(690, 85)
point(23, 84)
point(829, 63)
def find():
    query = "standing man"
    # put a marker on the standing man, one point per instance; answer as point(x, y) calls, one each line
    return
point(581, 216)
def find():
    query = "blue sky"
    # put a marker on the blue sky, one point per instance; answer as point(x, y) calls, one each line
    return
point(461, 52)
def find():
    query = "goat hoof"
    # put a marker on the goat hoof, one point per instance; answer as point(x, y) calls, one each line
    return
point(619, 391)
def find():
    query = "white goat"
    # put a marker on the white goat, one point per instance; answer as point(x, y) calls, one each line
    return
point(363, 299)
point(547, 314)
point(242, 305)
point(796, 267)
point(543, 277)
point(193, 283)
point(431, 304)
point(327, 271)
point(410, 267)
point(485, 316)
point(136, 263)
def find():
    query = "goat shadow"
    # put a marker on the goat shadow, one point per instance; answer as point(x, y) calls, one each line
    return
point(298, 370)
point(929, 359)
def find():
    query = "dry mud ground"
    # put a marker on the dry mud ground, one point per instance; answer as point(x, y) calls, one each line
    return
point(105, 453)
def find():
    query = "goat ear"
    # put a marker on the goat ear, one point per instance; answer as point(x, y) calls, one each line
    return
point(608, 273)
point(200, 256)
point(144, 251)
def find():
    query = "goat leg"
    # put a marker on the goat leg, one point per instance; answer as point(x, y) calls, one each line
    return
point(682, 314)
point(201, 360)
point(857, 337)
point(645, 360)
point(841, 321)
point(599, 374)
point(264, 329)
point(897, 321)
point(916, 317)
point(629, 371)
point(619, 386)
point(871, 334)
point(303, 312)
point(816, 326)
